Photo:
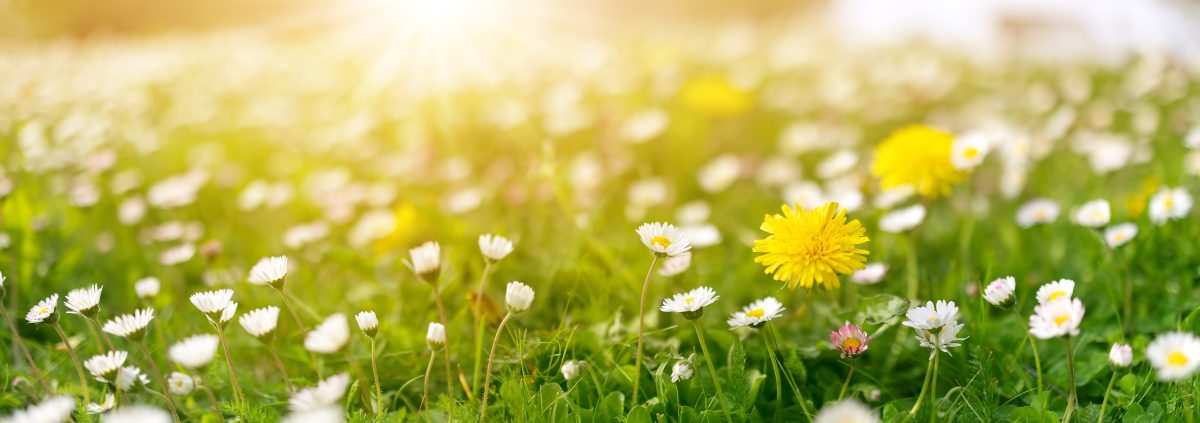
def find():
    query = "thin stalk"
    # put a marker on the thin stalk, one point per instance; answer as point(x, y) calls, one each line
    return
point(213, 398)
point(487, 374)
point(16, 336)
point(1187, 401)
point(479, 324)
point(425, 394)
point(787, 375)
point(1037, 359)
point(95, 331)
point(1104, 403)
point(75, 359)
point(287, 302)
point(378, 387)
point(637, 367)
point(1071, 373)
point(846, 384)
point(159, 377)
point(237, 387)
point(437, 298)
point(933, 389)
point(778, 380)
point(921, 396)
point(287, 380)
point(712, 369)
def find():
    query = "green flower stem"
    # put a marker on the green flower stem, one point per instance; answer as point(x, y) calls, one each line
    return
point(437, 298)
point(846, 384)
point(487, 374)
point(98, 334)
point(287, 302)
point(637, 366)
point(933, 389)
point(479, 324)
point(1104, 403)
point(787, 375)
point(162, 382)
point(713, 370)
point(425, 394)
point(287, 380)
point(1071, 373)
point(16, 336)
point(211, 397)
point(1037, 359)
point(233, 379)
point(75, 360)
point(921, 396)
point(778, 379)
point(374, 373)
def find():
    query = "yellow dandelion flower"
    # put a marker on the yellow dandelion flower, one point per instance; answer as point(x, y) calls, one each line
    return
point(811, 246)
point(716, 96)
point(917, 156)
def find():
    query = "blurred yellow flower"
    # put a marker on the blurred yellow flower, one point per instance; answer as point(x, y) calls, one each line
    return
point(807, 246)
point(918, 156)
point(408, 225)
point(715, 96)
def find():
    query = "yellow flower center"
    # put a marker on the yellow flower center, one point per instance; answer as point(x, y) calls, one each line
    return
point(661, 240)
point(1040, 214)
point(43, 310)
point(1176, 359)
point(756, 313)
point(689, 300)
point(851, 343)
point(1119, 237)
point(971, 152)
point(1169, 203)
point(1061, 319)
point(1056, 295)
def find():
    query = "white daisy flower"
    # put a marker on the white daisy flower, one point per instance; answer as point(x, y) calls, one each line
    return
point(269, 270)
point(177, 254)
point(837, 163)
point(902, 220)
point(1119, 234)
point(51, 410)
point(932, 315)
point(327, 392)
point(368, 323)
point(1037, 211)
point(228, 313)
point(43, 310)
point(261, 321)
point(940, 339)
point(969, 150)
point(870, 274)
point(664, 239)
point(1062, 288)
point(131, 326)
point(693, 212)
point(1000, 291)
point(130, 378)
point(304, 234)
point(137, 414)
point(690, 303)
point(682, 370)
point(84, 301)
point(846, 411)
point(109, 401)
point(103, 366)
point(1169, 204)
point(719, 174)
point(180, 384)
point(644, 126)
point(570, 369)
point(330, 336)
point(326, 414)
point(426, 260)
point(146, 287)
point(212, 302)
point(672, 266)
point(701, 235)
point(518, 297)
point(1174, 355)
point(194, 352)
point(494, 247)
point(1121, 355)
point(890, 197)
point(1056, 318)
point(760, 311)
point(436, 335)
point(1093, 214)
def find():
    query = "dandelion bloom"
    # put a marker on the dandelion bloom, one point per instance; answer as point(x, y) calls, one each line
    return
point(1000, 291)
point(760, 311)
point(1056, 318)
point(918, 156)
point(850, 340)
point(1121, 355)
point(1174, 355)
point(811, 246)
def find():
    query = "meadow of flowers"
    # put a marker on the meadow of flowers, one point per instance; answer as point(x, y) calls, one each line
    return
point(759, 227)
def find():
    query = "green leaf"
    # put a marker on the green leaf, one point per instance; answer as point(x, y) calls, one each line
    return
point(878, 309)
point(737, 387)
point(610, 408)
point(638, 414)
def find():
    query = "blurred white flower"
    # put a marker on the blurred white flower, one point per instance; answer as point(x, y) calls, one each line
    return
point(109, 401)
point(462, 200)
point(803, 194)
point(268, 270)
point(494, 247)
point(261, 321)
point(1191, 163)
point(146, 287)
point(84, 301)
point(371, 226)
point(330, 336)
point(702, 235)
point(130, 378)
point(1119, 234)
point(1093, 214)
point(719, 174)
point(1174, 355)
point(647, 192)
point(1169, 204)
point(104, 366)
point(325, 414)
point(212, 302)
point(969, 150)
point(1056, 318)
point(131, 210)
point(1062, 288)
point(426, 260)
point(872, 273)
point(435, 336)
point(836, 164)
point(890, 197)
point(177, 254)
point(778, 171)
point(327, 392)
point(570, 369)
point(304, 234)
point(846, 411)
point(518, 297)
point(177, 191)
point(1121, 355)
point(55, 409)
point(902, 220)
point(681, 370)
point(693, 212)
point(137, 414)
point(180, 384)
point(194, 352)
point(1000, 291)
point(672, 266)
point(644, 126)
point(1037, 211)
